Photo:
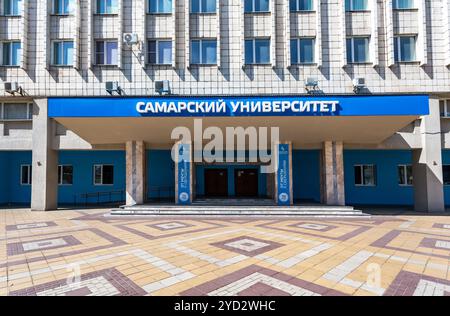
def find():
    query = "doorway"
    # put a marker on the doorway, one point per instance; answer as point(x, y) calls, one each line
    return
point(216, 182)
point(246, 182)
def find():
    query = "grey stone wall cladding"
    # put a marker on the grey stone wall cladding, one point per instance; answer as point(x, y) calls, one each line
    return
point(328, 23)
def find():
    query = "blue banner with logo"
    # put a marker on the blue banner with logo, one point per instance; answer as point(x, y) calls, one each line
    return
point(283, 175)
point(368, 105)
point(184, 174)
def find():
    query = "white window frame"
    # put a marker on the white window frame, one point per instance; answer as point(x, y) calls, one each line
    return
point(353, 10)
point(157, 51)
point(61, 175)
point(201, 40)
point(254, 6)
point(61, 52)
point(2, 7)
point(10, 52)
point(97, 9)
point(405, 178)
point(29, 111)
point(297, 6)
point(352, 50)
point(200, 8)
point(93, 174)
point(399, 52)
point(105, 41)
point(362, 175)
point(29, 172)
point(54, 8)
point(157, 6)
point(395, 5)
point(254, 50)
point(298, 39)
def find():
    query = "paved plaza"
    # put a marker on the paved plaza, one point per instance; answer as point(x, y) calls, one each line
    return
point(83, 252)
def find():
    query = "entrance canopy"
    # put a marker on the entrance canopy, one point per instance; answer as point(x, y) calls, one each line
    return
point(301, 119)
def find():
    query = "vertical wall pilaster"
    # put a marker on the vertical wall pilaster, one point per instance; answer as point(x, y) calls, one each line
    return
point(135, 172)
point(44, 187)
point(427, 164)
point(332, 173)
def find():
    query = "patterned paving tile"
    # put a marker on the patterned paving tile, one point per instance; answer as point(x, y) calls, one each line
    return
point(29, 226)
point(413, 284)
point(42, 244)
point(248, 246)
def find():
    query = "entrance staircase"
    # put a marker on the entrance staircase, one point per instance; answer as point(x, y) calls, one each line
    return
point(238, 207)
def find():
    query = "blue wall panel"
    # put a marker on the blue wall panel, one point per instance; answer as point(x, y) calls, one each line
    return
point(200, 178)
point(13, 191)
point(387, 191)
point(160, 174)
point(446, 161)
point(306, 175)
point(83, 173)
point(4, 177)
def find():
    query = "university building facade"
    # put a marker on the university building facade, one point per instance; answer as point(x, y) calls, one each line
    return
point(91, 91)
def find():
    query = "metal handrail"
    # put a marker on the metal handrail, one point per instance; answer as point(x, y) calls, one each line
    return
point(97, 195)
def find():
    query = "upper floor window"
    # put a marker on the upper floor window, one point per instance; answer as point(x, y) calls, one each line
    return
point(365, 175)
point(357, 50)
point(107, 6)
point(160, 52)
point(204, 52)
point(256, 6)
point(10, 53)
point(203, 6)
point(103, 174)
point(301, 5)
point(405, 48)
point(16, 111)
point(62, 7)
point(444, 106)
point(302, 51)
point(10, 7)
point(405, 175)
point(257, 51)
point(25, 174)
point(65, 175)
point(160, 6)
point(106, 52)
point(403, 4)
point(62, 53)
point(355, 5)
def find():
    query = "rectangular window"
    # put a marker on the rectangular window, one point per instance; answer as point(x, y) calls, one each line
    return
point(365, 175)
point(25, 174)
point(256, 6)
point(10, 53)
point(160, 52)
point(302, 51)
point(446, 174)
point(301, 5)
point(405, 176)
point(444, 106)
point(204, 52)
point(65, 175)
point(11, 7)
point(106, 53)
point(203, 6)
point(403, 4)
point(107, 6)
point(355, 5)
point(62, 53)
point(17, 111)
point(159, 6)
point(358, 50)
point(62, 7)
point(257, 51)
point(103, 174)
point(405, 48)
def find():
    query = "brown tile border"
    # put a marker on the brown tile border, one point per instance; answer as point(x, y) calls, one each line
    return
point(441, 226)
point(124, 285)
point(17, 247)
point(406, 283)
point(15, 227)
point(271, 246)
point(208, 287)
point(359, 230)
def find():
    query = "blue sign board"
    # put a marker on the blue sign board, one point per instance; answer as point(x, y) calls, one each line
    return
point(184, 174)
point(283, 175)
point(370, 105)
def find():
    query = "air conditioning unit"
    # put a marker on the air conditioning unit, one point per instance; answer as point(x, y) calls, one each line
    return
point(359, 83)
point(113, 86)
point(311, 83)
point(162, 87)
point(12, 87)
point(130, 38)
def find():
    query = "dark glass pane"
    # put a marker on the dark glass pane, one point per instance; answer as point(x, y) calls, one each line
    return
point(108, 174)
point(358, 179)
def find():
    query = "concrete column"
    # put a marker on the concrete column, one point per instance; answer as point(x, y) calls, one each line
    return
point(283, 174)
point(44, 188)
point(135, 172)
point(332, 173)
point(427, 164)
